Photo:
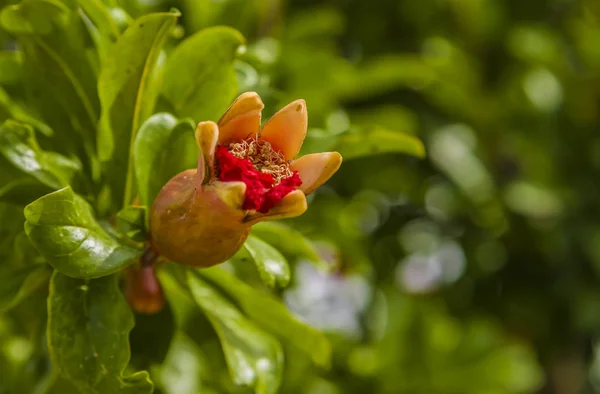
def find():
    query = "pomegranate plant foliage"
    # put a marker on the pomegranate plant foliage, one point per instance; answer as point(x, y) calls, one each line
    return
point(100, 115)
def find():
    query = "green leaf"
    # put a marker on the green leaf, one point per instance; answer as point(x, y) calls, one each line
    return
point(11, 217)
point(125, 97)
point(131, 222)
point(32, 16)
point(100, 15)
point(272, 315)
point(383, 74)
point(289, 242)
point(200, 80)
point(17, 189)
point(163, 148)
point(88, 335)
point(11, 64)
point(19, 146)
point(184, 367)
point(62, 227)
point(253, 356)
point(58, 75)
point(377, 141)
point(19, 282)
point(272, 266)
point(156, 329)
point(27, 172)
point(14, 111)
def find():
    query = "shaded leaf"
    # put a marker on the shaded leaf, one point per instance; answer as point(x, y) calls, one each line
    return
point(19, 282)
point(124, 95)
point(156, 329)
point(17, 189)
point(62, 227)
point(58, 75)
point(163, 148)
point(131, 222)
point(11, 64)
point(384, 74)
point(88, 328)
point(200, 81)
point(14, 111)
point(19, 147)
point(272, 266)
point(377, 141)
point(272, 315)
point(253, 356)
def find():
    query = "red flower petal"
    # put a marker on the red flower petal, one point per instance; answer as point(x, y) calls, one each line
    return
point(261, 193)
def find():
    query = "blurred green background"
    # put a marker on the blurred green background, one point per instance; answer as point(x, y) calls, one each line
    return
point(475, 270)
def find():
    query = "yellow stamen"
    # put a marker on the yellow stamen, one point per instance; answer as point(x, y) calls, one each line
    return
point(263, 157)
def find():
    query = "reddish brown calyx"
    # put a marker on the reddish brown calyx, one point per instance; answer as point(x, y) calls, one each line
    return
point(265, 172)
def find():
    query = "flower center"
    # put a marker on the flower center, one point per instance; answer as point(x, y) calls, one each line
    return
point(265, 172)
point(263, 158)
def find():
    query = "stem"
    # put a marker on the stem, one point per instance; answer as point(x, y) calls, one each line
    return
point(128, 199)
point(149, 257)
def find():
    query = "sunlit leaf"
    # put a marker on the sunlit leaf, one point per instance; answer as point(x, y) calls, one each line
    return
point(272, 266)
point(125, 97)
point(272, 315)
point(62, 227)
point(183, 368)
point(163, 148)
point(253, 356)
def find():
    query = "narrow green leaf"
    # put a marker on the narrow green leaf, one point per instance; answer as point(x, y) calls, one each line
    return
point(19, 282)
point(200, 81)
point(377, 141)
point(88, 335)
point(19, 146)
point(253, 356)
point(62, 227)
point(131, 222)
point(125, 97)
point(163, 148)
point(272, 315)
point(272, 266)
point(288, 241)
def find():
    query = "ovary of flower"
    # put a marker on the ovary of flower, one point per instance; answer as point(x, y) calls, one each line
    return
point(245, 174)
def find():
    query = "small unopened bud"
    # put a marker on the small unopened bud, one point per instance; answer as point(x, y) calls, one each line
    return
point(143, 291)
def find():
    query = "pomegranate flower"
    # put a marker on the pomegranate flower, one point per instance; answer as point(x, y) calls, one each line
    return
point(245, 175)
